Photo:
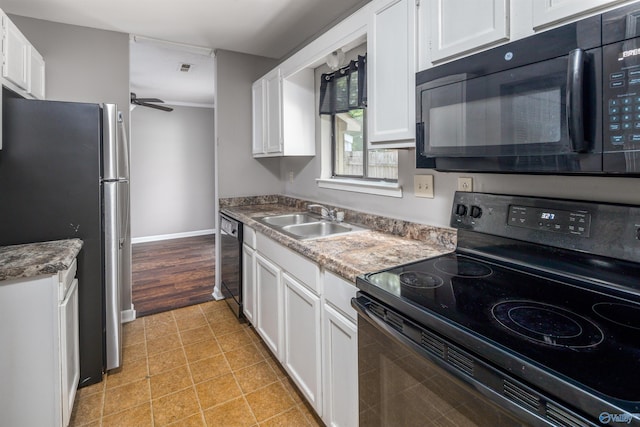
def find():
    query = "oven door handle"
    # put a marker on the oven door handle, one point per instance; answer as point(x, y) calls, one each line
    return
point(575, 101)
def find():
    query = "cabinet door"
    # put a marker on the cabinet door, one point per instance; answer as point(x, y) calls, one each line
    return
point(391, 74)
point(16, 55)
point(69, 350)
point(274, 112)
point(340, 369)
point(461, 26)
point(248, 283)
point(258, 99)
point(36, 74)
point(302, 339)
point(553, 11)
point(269, 304)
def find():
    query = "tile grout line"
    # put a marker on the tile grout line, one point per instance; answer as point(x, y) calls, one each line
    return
point(153, 421)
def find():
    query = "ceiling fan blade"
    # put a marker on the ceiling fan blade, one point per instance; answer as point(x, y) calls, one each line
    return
point(157, 107)
point(149, 100)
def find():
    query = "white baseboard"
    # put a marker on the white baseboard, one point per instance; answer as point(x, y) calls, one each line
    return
point(172, 236)
point(128, 315)
point(217, 295)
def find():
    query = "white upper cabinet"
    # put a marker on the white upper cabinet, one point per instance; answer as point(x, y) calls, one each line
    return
point(391, 71)
point(273, 103)
point(36, 74)
point(258, 116)
point(15, 47)
point(299, 113)
point(549, 12)
point(283, 114)
point(456, 27)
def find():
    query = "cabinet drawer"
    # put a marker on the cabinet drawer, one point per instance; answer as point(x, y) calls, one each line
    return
point(303, 269)
point(338, 292)
point(249, 236)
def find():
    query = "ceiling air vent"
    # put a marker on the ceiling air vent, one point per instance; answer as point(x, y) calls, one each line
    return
point(184, 67)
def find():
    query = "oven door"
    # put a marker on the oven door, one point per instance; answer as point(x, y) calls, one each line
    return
point(400, 384)
point(533, 118)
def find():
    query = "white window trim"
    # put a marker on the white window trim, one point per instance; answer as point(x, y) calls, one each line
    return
point(380, 188)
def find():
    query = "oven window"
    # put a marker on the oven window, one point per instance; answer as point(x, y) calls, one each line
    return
point(398, 387)
point(514, 112)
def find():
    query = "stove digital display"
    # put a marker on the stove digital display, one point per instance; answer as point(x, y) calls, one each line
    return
point(554, 220)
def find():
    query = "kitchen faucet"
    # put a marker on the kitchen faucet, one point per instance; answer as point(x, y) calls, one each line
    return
point(324, 211)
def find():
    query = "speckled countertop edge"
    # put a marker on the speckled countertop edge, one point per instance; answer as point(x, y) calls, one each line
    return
point(387, 244)
point(37, 259)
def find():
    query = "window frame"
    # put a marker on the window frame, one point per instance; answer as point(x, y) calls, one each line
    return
point(365, 154)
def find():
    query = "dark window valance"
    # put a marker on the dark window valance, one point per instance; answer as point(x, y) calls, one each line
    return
point(344, 89)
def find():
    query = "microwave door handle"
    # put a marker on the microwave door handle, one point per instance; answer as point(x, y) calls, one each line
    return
point(575, 103)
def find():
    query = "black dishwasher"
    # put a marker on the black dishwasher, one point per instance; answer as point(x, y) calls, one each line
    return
point(231, 263)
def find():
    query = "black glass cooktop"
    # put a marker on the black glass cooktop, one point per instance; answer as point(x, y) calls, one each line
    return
point(590, 338)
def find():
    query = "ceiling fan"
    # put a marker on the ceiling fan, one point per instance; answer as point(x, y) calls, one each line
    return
point(147, 102)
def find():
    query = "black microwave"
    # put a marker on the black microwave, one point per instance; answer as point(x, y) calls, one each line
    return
point(564, 101)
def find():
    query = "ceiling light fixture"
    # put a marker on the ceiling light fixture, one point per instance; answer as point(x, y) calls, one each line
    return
point(335, 59)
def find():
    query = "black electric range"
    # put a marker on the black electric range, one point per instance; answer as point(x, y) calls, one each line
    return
point(543, 291)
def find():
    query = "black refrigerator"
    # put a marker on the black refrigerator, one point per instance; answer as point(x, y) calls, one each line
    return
point(64, 174)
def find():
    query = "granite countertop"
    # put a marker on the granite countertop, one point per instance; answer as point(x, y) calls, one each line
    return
point(36, 259)
point(351, 255)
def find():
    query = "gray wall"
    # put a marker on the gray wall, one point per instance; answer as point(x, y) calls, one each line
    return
point(172, 171)
point(239, 174)
point(82, 64)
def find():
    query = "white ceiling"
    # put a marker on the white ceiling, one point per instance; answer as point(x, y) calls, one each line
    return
point(271, 28)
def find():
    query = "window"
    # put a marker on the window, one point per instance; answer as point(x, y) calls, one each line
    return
point(343, 97)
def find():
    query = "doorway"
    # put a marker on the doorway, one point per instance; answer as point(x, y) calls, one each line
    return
point(172, 174)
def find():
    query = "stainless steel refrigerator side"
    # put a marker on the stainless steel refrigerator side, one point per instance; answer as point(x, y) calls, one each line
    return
point(112, 251)
point(126, 298)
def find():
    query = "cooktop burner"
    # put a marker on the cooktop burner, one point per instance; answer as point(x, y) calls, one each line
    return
point(547, 324)
point(420, 280)
point(620, 314)
point(462, 267)
point(570, 330)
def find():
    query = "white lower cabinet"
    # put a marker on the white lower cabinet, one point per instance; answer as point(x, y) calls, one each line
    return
point(248, 282)
point(340, 369)
point(302, 339)
point(305, 317)
point(339, 353)
point(269, 304)
point(39, 360)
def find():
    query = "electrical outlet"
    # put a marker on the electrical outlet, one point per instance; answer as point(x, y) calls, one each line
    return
point(423, 186)
point(465, 184)
point(291, 177)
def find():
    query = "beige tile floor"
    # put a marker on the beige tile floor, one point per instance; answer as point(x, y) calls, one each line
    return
point(194, 366)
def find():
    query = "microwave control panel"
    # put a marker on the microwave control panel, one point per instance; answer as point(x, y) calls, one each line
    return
point(621, 101)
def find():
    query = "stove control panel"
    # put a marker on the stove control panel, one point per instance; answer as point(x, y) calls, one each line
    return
point(553, 220)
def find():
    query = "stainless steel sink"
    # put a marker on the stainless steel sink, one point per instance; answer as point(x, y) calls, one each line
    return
point(318, 229)
point(303, 225)
point(289, 219)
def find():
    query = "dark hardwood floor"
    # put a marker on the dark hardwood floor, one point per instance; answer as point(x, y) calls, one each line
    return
point(171, 274)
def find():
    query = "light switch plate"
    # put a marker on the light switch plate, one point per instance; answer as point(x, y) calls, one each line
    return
point(465, 184)
point(423, 186)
